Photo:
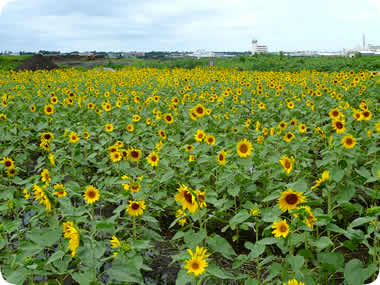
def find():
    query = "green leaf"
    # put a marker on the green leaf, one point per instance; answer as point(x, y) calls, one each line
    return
point(354, 273)
point(82, 277)
point(233, 191)
point(271, 197)
point(256, 249)
point(192, 239)
point(322, 243)
point(337, 174)
point(239, 218)
point(55, 256)
point(45, 237)
point(124, 272)
point(169, 174)
point(184, 278)
point(251, 281)
point(17, 276)
point(296, 262)
point(362, 171)
point(331, 261)
point(299, 186)
point(219, 244)
point(360, 221)
point(269, 240)
point(239, 261)
point(345, 193)
point(219, 273)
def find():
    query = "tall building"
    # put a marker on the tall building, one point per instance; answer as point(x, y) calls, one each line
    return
point(256, 49)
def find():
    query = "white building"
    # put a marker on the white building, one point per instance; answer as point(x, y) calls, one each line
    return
point(202, 53)
point(258, 48)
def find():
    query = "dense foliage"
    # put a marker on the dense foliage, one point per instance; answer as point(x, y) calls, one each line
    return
point(258, 177)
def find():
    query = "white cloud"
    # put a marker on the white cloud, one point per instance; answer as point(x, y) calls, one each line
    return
point(3, 3)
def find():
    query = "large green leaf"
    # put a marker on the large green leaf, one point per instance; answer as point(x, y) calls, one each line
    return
point(355, 273)
point(239, 218)
point(219, 244)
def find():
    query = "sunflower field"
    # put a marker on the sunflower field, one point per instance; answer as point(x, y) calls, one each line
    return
point(218, 175)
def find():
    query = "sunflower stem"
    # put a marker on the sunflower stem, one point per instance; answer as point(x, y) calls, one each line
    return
point(134, 227)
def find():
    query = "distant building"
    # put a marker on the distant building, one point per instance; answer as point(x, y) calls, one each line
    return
point(256, 49)
point(202, 53)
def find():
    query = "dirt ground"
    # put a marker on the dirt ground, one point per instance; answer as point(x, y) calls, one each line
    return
point(88, 63)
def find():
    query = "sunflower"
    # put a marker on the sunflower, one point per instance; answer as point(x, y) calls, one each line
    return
point(293, 282)
point(287, 163)
point(302, 128)
point(162, 134)
point(282, 125)
point(109, 128)
point(308, 216)
point(153, 159)
point(136, 208)
point(244, 148)
point(61, 192)
point(115, 156)
point(197, 264)
point(136, 118)
point(45, 145)
point(348, 142)
point(11, 172)
point(290, 105)
point(86, 135)
point(199, 110)
point(210, 140)
point(45, 176)
point(168, 118)
point(47, 137)
point(90, 105)
point(186, 199)
point(289, 200)
point(26, 194)
point(49, 109)
point(33, 108)
point(289, 136)
point(115, 242)
point(73, 137)
point(221, 157)
point(325, 177)
point(339, 126)
point(334, 114)
point(134, 154)
point(182, 214)
point(91, 194)
point(367, 115)
point(281, 229)
point(130, 128)
point(134, 187)
point(3, 116)
point(191, 158)
point(39, 194)
point(377, 127)
point(8, 162)
point(201, 198)
point(71, 232)
point(189, 147)
point(199, 136)
point(357, 115)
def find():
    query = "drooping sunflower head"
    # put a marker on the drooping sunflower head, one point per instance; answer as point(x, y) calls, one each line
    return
point(162, 134)
point(60, 190)
point(186, 199)
point(290, 199)
point(222, 155)
point(91, 194)
point(45, 176)
point(244, 148)
point(287, 163)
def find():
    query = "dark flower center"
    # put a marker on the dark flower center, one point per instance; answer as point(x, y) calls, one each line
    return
point(283, 229)
point(135, 206)
point(243, 148)
point(188, 197)
point(287, 164)
point(134, 154)
point(7, 163)
point(91, 194)
point(195, 265)
point(349, 141)
point(291, 199)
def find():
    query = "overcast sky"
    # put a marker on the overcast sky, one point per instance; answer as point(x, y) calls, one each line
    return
point(187, 25)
